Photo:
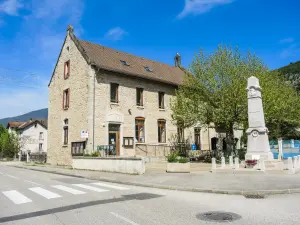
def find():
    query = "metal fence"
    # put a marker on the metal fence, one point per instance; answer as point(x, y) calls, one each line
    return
point(290, 148)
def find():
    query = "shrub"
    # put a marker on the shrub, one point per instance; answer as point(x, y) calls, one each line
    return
point(95, 154)
point(173, 157)
point(183, 160)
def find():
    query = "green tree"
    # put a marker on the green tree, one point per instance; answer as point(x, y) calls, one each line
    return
point(218, 82)
point(10, 143)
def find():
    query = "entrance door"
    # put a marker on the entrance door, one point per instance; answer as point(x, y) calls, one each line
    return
point(197, 138)
point(114, 137)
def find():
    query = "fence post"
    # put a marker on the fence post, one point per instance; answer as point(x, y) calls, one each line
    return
point(223, 162)
point(213, 164)
point(236, 163)
point(231, 161)
point(280, 152)
point(290, 165)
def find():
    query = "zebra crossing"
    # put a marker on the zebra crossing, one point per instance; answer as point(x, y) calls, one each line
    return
point(19, 198)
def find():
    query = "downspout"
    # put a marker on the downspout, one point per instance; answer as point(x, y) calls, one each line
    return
point(94, 108)
point(94, 114)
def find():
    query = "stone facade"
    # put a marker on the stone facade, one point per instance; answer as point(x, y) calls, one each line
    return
point(77, 113)
point(126, 110)
point(90, 109)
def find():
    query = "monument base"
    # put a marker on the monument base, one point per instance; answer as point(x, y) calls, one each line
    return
point(267, 156)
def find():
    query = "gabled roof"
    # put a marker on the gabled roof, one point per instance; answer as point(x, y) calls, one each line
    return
point(23, 125)
point(14, 124)
point(31, 122)
point(111, 60)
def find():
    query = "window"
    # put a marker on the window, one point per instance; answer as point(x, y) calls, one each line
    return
point(124, 63)
point(40, 147)
point(161, 131)
point(148, 69)
point(139, 96)
point(66, 131)
point(66, 99)
point(140, 129)
point(78, 148)
point(41, 136)
point(161, 100)
point(67, 69)
point(114, 92)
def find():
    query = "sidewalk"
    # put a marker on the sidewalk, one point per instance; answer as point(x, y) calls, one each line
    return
point(239, 184)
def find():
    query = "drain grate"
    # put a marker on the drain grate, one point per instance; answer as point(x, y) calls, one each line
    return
point(255, 196)
point(218, 216)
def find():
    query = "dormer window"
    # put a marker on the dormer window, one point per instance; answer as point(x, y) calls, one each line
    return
point(124, 63)
point(148, 68)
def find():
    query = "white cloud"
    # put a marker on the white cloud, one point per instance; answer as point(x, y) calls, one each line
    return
point(287, 40)
point(115, 34)
point(40, 37)
point(11, 7)
point(290, 51)
point(196, 7)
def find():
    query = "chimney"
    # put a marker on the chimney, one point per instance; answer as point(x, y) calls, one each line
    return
point(177, 60)
point(70, 29)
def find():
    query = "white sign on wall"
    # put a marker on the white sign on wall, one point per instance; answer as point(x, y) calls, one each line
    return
point(84, 134)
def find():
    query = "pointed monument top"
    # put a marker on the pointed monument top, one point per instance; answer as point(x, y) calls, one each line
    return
point(253, 82)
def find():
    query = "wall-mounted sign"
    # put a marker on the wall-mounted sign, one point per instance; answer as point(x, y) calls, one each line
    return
point(84, 134)
point(128, 142)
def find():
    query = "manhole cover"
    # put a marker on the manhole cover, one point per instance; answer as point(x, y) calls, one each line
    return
point(218, 216)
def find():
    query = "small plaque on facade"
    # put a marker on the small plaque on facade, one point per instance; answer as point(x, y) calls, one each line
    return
point(128, 142)
point(84, 134)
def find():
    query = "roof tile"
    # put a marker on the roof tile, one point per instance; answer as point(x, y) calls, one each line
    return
point(110, 59)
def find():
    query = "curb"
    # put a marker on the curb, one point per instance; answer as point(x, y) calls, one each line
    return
point(252, 194)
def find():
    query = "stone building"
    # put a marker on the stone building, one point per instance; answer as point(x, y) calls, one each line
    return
point(99, 97)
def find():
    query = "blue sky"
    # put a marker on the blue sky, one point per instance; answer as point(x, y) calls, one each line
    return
point(32, 32)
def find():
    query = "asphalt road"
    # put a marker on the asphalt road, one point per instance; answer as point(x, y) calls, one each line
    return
point(35, 198)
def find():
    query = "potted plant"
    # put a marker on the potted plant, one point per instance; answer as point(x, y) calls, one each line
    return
point(250, 163)
point(177, 164)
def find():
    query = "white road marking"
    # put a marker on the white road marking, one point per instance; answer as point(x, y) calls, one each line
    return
point(45, 193)
point(90, 187)
point(33, 182)
point(16, 197)
point(68, 189)
point(11, 176)
point(123, 218)
point(1, 173)
point(111, 186)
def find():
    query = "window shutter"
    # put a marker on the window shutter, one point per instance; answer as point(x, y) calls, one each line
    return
point(69, 67)
point(68, 97)
point(65, 70)
point(63, 100)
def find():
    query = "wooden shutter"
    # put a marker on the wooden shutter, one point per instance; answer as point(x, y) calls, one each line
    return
point(68, 97)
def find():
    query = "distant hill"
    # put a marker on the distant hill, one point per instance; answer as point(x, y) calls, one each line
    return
point(292, 68)
point(38, 114)
point(291, 73)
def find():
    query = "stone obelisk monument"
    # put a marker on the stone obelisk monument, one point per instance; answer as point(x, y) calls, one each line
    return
point(258, 141)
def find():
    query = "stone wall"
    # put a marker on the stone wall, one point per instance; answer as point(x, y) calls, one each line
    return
point(119, 165)
point(58, 153)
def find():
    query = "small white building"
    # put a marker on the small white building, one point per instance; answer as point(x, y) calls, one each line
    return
point(32, 134)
